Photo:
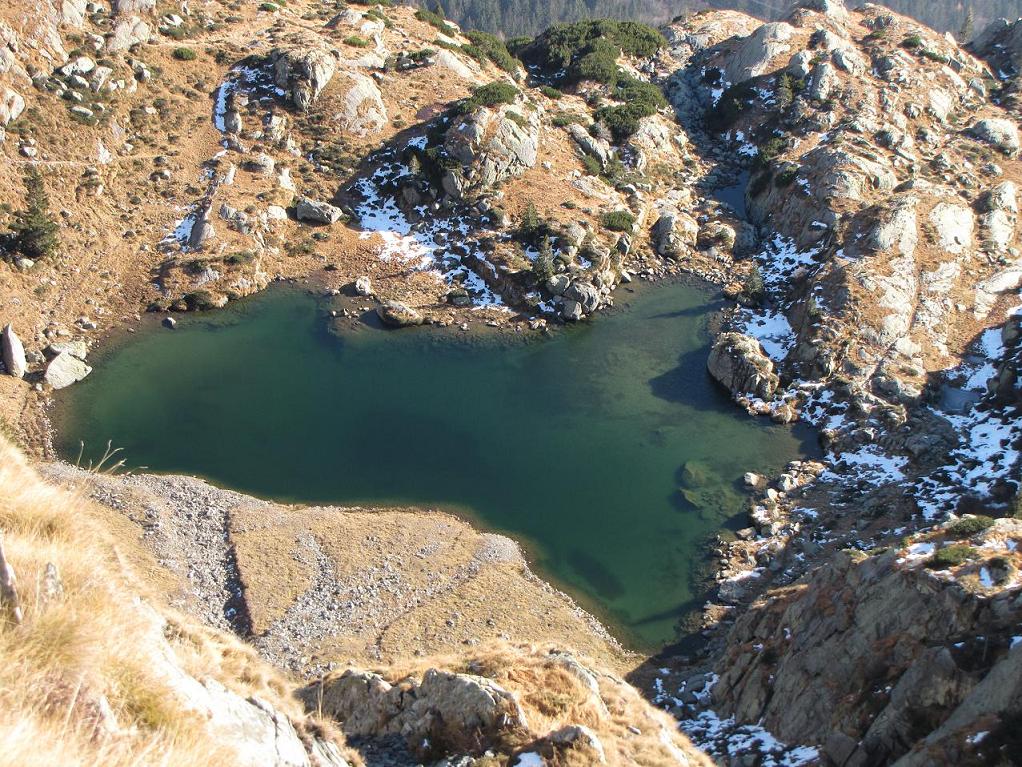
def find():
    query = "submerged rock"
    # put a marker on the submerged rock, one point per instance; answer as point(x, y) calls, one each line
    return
point(738, 362)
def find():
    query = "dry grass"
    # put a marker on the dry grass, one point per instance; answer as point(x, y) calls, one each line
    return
point(83, 679)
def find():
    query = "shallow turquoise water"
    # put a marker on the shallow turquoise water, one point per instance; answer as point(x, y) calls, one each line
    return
point(576, 445)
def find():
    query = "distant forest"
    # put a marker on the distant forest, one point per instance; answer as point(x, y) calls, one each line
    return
point(511, 18)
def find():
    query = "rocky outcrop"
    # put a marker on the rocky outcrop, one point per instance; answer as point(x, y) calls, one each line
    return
point(13, 353)
point(65, 369)
point(753, 55)
point(492, 145)
point(875, 656)
point(302, 73)
point(452, 713)
point(738, 362)
point(398, 315)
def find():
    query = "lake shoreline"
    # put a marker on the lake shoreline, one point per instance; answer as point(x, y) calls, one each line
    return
point(499, 336)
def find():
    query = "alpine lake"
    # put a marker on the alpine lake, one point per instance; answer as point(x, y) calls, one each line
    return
point(604, 448)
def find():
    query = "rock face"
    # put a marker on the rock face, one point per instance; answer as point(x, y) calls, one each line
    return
point(64, 370)
point(491, 147)
point(398, 315)
point(450, 712)
point(303, 73)
point(874, 657)
point(738, 362)
point(13, 353)
point(317, 212)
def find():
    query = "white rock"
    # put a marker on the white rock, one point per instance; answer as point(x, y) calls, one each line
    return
point(13, 353)
point(64, 370)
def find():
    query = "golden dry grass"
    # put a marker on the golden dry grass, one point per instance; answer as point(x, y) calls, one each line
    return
point(80, 678)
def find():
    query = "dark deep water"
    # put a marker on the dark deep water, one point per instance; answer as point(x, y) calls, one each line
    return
point(575, 445)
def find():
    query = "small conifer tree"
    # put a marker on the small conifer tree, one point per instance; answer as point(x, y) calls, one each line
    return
point(35, 231)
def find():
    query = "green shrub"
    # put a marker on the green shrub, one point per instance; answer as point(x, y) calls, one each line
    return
point(184, 54)
point(487, 46)
point(966, 527)
point(269, 7)
point(356, 41)
point(490, 95)
point(434, 20)
point(753, 289)
point(618, 221)
point(564, 46)
point(912, 41)
point(640, 99)
point(592, 165)
point(950, 556)
point(550, 92)
point(564, 119)
point(200, 300)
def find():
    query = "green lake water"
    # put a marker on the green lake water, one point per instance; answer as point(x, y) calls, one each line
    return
point(576, 444)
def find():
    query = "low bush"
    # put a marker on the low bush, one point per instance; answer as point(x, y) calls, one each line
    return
point(356, 41)
point(966, 527)
point(184, 54)
point(618, 221)
point(485, 46)
point(950, 556)
point(490, 95)
point(550, 92)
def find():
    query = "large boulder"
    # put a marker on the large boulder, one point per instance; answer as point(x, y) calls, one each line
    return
point(739, 363)
point(132, 6)
point(398, 315)
point(585, 293)
point(72, 12)
point(953, 226)
point(1000, 133)
point(673, 233)
point(303, 73)
point(12, 104)
point(492, 145)
point(13, 353)
point(317, 212)
point(128, 32)
point(590, 145)
point(362, 109)
point(64, 370)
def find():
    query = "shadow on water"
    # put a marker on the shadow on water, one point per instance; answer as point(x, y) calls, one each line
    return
point(572, 444)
